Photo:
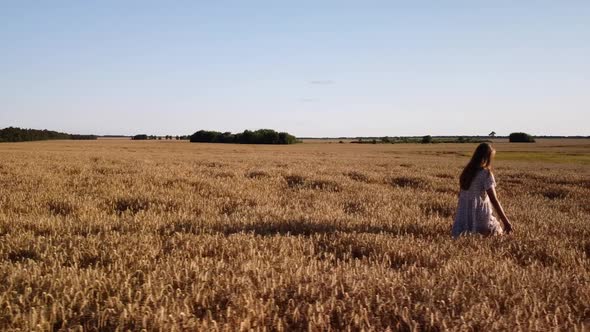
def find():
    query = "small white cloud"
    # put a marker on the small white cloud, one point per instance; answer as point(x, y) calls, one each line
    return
point(309, 100)
point(322, 82)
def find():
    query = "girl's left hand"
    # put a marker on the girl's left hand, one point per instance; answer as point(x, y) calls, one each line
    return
point(508, 228)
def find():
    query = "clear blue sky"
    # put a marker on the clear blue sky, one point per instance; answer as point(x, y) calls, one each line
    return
point(313, 68)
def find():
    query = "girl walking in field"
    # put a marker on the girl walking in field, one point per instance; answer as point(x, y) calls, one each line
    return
point(478, 196)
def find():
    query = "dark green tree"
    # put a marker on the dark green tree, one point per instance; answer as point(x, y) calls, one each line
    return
point(140, 137)
point(261, 136)
point(426, 139)
point(521, 138)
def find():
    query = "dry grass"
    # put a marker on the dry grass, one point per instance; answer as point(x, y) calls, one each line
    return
point(169, 236)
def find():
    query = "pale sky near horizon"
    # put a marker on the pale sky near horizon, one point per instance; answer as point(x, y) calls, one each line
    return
point(312, 68)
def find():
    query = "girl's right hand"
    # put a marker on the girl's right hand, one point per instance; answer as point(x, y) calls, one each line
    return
point(507, 227)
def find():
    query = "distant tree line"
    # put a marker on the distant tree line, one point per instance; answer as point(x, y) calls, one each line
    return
point(141, 137)
point(562, 137)
point(13, 134)
point(513, 137)
point(424, 140)
point(83, 137)
point(261, 136)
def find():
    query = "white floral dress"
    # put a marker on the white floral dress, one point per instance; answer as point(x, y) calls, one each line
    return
point(474, 213)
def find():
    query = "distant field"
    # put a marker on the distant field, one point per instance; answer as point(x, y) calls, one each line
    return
point(171, 235)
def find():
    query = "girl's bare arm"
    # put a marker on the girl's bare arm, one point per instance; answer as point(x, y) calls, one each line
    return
point(498, 207)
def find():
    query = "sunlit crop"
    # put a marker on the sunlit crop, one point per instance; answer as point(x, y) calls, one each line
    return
point(180, 236)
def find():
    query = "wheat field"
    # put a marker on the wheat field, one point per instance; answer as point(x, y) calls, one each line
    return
point(164, 235)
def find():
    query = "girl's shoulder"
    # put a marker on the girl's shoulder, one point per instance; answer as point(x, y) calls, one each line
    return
point(485, 175)
point(488, 178)
point(482, 172)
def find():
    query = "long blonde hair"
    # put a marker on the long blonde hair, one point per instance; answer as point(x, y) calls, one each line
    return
point(481, 159)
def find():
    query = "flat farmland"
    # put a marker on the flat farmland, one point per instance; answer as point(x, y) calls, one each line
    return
point(171, 235)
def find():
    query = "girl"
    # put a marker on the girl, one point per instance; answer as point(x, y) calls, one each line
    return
point(478, 195)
